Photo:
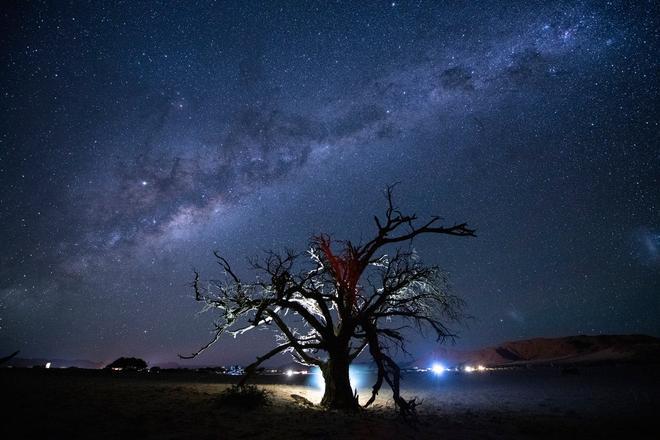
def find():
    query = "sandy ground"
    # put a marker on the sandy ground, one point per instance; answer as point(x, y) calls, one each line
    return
point(597, 403)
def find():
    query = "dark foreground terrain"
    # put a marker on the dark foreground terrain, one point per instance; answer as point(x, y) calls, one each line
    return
point(592, 402)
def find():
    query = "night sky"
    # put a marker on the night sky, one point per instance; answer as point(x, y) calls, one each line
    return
point(138, 137)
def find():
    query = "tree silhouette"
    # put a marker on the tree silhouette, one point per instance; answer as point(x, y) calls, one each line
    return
point(329, 307)
point(128, 363)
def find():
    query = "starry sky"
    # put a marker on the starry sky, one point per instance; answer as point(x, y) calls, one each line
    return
point(138, 137)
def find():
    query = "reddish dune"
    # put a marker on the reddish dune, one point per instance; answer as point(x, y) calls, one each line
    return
point(570, 349)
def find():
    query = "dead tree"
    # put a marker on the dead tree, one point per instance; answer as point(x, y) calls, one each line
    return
point(329, 307)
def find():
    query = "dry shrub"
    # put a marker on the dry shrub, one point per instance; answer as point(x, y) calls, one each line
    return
point(246, 397)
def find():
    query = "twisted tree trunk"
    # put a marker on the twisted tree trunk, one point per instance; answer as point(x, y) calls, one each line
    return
point(338, 392)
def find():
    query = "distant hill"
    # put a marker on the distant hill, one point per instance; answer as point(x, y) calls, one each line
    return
point(539, 351)
point(54, 363)
point(170, 365)
point(567, 350)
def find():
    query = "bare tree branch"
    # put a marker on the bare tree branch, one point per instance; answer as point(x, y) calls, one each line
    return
point(327, 309)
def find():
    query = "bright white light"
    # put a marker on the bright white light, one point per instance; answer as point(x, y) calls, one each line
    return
point(438, 369)
point(289, 373)
point(481, 368)
point(353, 378)
point(469, 369)
point(47, 364)
point(318, 381)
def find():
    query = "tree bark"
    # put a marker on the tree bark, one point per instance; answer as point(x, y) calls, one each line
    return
point(338, 392)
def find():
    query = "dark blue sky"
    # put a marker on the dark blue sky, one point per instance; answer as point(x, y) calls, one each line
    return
point(136, 138)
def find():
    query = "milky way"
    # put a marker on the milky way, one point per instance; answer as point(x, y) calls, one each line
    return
point(138, 138)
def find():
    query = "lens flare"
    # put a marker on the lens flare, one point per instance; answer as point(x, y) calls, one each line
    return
point(438, 369)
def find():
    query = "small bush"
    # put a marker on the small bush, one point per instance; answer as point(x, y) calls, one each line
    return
point(246, 397)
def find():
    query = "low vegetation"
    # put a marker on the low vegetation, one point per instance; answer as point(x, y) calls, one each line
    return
point(245, 397)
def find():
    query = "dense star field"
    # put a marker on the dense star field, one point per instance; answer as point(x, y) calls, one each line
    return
point(137, 138)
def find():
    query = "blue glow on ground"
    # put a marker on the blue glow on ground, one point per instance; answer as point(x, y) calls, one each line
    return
point(354, 375)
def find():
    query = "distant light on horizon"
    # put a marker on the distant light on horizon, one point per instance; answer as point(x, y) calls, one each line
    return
point(438, 369)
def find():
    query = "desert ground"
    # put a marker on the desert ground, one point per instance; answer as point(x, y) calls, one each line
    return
point(593, 402)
